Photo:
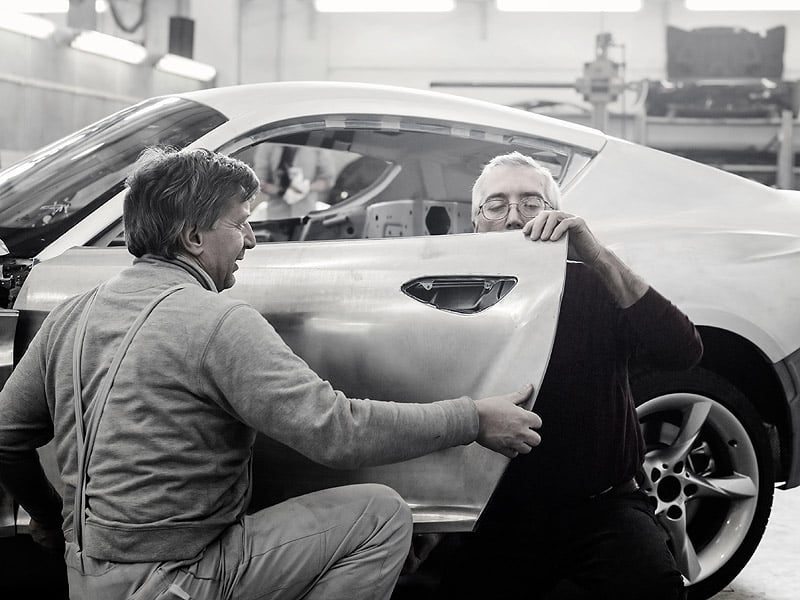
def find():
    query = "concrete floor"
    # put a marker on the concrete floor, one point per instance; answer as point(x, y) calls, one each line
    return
point(774, 571)
point(772, 574)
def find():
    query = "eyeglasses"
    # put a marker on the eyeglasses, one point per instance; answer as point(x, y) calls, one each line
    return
point(496, 209)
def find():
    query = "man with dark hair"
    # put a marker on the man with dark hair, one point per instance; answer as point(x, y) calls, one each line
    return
point(568, 521)
point(154, 386)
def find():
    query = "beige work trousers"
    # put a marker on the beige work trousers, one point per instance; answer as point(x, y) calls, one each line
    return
point(348, 542)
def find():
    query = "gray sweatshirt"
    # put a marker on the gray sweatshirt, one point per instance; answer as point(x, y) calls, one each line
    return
point(170, 467)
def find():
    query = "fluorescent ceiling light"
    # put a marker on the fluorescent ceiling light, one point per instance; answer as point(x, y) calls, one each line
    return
point(186, 67)
point(110, 46)
point(384, 5)
point(569, 5)
point(734, 5)
point(46, 6)
point(26, 24)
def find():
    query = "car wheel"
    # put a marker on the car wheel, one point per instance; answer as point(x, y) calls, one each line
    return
point(708, 472)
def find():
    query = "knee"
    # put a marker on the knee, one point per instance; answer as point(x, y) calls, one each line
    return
point(391, 510)
point(389, 502)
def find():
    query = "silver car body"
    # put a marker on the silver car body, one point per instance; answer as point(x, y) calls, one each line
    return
point(724, 249)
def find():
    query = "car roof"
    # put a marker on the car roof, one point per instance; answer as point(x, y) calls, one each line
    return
point(321, 97)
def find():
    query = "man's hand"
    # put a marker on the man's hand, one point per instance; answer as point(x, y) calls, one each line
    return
point(624, 285)
point(506, 427)
point(51, 538)
point(553, 224)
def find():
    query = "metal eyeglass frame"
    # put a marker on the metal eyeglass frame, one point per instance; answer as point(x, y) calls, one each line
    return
point(547, 206)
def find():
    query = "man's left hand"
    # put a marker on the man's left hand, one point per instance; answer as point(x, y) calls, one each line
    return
point(551, 225)
point(624, 285)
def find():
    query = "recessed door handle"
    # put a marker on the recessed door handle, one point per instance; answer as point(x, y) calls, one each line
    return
point(464, 294)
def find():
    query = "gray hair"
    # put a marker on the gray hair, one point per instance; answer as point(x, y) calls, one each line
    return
point(171, 190)
point(552, 193)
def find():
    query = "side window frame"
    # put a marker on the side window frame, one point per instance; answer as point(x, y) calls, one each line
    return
point(345, 220)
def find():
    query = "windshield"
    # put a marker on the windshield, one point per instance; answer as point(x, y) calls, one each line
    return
point(49, 191)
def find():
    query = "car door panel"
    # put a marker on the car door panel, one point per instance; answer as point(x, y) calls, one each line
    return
point(371, 340)
point(341, 306)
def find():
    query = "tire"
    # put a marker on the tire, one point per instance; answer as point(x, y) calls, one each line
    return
point(708, 472)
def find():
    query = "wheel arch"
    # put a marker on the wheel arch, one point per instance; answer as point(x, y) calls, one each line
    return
point(744, 365)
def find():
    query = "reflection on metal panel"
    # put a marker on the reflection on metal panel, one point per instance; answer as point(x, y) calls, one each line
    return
point(8, 328)
point(8, 513)
point(373, 341)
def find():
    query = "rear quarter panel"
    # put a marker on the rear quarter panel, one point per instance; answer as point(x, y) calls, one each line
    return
point(724, 249)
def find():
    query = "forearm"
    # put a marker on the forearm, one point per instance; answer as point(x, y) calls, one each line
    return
point(367, 432)
point(663, 336)
point(275, 392)
point(661, 332)
point(625, 286)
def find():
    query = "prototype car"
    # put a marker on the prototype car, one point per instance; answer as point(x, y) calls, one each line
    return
point(437, 311)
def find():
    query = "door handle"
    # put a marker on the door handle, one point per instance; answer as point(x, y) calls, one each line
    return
point(464, 294)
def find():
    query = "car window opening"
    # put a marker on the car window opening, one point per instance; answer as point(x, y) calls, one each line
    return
point(393, 176)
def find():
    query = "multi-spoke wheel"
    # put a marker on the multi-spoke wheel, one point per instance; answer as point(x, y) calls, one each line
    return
point(708, 472)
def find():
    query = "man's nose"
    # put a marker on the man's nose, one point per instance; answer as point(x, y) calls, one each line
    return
point(514, 220)
point(249, 236)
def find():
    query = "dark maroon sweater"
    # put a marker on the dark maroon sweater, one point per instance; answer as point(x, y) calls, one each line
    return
point(590, 434)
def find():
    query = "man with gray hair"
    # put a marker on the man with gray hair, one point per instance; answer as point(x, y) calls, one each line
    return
point(569, 521)
point(153, 386)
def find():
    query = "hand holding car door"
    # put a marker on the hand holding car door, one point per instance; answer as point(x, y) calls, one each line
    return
point(551, 225)
point(624, 285)
point(505, 427)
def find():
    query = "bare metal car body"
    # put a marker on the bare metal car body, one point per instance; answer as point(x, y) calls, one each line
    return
point(432, 316)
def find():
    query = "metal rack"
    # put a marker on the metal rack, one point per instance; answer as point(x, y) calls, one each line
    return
point(762, 149)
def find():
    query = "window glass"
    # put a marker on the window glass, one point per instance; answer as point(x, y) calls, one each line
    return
point(45, 194)
point(297, 180)
point(366, 176)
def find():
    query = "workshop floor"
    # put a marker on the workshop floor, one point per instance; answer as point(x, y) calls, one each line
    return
point(774, 571)
point(772, 574)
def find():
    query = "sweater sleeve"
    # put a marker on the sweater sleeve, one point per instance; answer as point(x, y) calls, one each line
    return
point(25, 424)
point(661, 335)
point(254, 374)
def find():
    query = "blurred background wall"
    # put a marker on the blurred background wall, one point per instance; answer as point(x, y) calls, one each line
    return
point(48, 89)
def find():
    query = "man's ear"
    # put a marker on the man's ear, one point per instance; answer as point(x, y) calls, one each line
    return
point(192, 240)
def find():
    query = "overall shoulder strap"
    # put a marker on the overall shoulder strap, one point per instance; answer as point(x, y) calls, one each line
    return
point(86, 421)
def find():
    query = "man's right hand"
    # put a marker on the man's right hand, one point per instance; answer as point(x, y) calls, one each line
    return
point(506, 427)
